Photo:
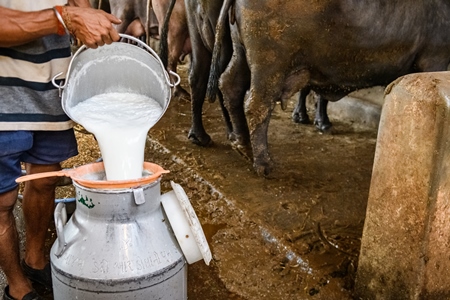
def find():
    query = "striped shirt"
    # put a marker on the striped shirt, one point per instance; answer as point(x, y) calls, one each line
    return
point(28, 99)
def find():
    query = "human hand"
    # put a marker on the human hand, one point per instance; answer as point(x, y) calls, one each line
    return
point(93, 27)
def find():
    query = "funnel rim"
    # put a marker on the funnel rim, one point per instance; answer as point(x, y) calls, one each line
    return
point(76, 175)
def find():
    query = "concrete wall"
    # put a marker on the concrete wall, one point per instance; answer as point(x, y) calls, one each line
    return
point(405, 252)
point(361, 108)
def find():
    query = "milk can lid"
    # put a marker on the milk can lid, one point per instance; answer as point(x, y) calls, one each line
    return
point(179, 213)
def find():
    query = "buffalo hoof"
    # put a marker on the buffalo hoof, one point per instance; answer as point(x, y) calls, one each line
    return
point(263, 164)
point(203, 140)
point(324, 127)
point(301, 118)
point(239, 139)
point(263, 169)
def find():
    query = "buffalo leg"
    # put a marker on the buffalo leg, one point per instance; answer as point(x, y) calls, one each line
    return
point(258, 109)
point(124, 13)
point(198, 77)
point(300, 115)
point(322, 121)
point(234, 83)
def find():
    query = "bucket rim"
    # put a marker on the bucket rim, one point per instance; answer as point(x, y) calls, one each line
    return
point(139, 45)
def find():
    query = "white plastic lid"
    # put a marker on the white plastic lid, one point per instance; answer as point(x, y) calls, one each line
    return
point(185, 225)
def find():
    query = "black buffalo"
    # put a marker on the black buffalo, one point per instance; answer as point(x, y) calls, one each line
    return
point(332, 46)
point(202, 17)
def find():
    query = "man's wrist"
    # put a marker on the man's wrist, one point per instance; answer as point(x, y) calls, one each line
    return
point(67, 20)
point(62, 28)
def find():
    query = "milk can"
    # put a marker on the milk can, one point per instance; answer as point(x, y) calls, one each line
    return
point(119, 243)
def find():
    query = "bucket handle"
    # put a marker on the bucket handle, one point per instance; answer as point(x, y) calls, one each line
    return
point(61, 86)
point(144, 45)
point(60, 215)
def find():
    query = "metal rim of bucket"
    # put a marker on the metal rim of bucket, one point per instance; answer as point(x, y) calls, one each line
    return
point(139, 42)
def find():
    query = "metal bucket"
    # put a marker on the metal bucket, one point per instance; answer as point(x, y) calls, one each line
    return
point(116, 68)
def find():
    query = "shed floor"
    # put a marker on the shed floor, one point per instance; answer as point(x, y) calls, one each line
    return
point(295, 235)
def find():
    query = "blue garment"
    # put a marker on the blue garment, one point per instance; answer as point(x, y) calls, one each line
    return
point(37, 147)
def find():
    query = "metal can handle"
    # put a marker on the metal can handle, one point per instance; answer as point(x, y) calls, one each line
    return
point(60, 216)
point(129, 37)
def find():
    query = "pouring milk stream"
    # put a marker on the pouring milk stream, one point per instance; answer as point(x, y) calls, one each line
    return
point(117, 92)
point(119, 122)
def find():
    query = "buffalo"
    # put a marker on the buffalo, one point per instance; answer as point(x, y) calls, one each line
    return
point(331, 46)
point(201, 22)
point(201, 18)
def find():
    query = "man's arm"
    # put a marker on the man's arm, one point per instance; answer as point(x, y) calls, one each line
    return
point(92, 27)
point(18, 27)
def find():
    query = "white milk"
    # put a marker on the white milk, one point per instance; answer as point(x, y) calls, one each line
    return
point(120, 122)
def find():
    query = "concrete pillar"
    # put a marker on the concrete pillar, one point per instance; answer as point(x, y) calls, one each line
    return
point(405, 248)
